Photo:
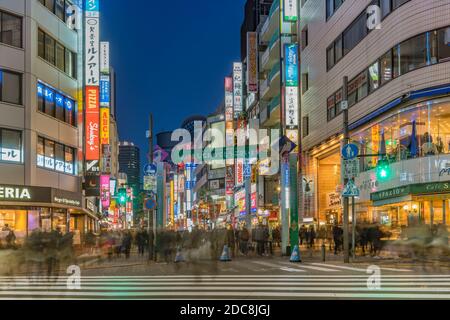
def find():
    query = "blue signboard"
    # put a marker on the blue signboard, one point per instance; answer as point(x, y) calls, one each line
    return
point(350, 151)
point(291, 56)
point(286, 174)
point(247, 171)
point(92, 5)
point(105, 92)
point(150, 204)
point(150, 170)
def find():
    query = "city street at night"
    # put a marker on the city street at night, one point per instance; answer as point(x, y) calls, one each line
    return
point(244, 278)
point(245, 151)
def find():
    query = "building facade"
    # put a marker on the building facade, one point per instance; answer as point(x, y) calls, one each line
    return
point(399, 108)
point(40, 84)
point(130, 164)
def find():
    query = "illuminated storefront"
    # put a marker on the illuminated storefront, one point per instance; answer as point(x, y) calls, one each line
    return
point(414, 142)
point(24, 209)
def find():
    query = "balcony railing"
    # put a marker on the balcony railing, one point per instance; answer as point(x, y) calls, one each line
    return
point(274, 38)
point(274, 71)
point(275, 102)
point(274, 7)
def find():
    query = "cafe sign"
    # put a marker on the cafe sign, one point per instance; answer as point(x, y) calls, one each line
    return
point(12, 193)
point(414, 189)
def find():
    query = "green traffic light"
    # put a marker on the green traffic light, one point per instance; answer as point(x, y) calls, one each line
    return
point(383, 170)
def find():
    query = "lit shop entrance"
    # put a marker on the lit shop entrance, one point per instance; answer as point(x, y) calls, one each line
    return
point(328, 195)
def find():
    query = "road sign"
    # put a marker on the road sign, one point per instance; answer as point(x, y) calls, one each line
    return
point(150, 183)
point(344, 105)
point(150, 204)
point(286, 145)
point(350, 190)
point(350, 151)
point(150, 170)
point(351, 168)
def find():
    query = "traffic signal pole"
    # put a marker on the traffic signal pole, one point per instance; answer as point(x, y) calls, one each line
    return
point(346, 141)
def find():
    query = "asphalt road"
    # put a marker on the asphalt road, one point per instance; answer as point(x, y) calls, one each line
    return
point(242, 278)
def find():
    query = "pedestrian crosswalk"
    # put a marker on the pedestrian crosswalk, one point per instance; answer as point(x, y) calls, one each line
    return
point(295, 286)
point(317, 267)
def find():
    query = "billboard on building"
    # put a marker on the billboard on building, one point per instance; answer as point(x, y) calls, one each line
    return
point(105, 91)
point(92, 123)
point(105, 191)
point(92, 47)
point(291, 90)
point(104, 120)
point(252, 62)
point(290, 10)
point(237, 89)
point(104, 57)
point(291, 57)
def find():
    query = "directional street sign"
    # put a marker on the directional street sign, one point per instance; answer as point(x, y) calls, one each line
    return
point(150, 204)
point(350, 151)
point(150, 170)
point(350, 190)
point(351, 168)
point(150, 183)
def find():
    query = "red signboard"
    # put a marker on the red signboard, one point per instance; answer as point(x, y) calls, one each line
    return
point(92, 123)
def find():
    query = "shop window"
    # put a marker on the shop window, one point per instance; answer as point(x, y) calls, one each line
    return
point(59, 9)
point(40, 152)
point(69, 160)
point(374, 77)
point(386, 8)
point(33, 221)
point(444, 44)
point(59, 157)
point(330, 108)
point(330, 57)
point(386, 67)
point(430, 123)
point(338, 101)
point(362, 86)
point(410, 55)
point(60, 55)
point(69, 110)
point(56, 104)
point(11, 29)
point(41, 98)
point(41, 44)
point(355, 33)
point(352, 92)
point(60, 220)
point(59, 102)
point(50, 49)
point(49, 154)
point(338, 49)
point(13, 221)
point(55, 156)
point(10, 87)
point(56, 54)
point(11, 145)
point(49, 101)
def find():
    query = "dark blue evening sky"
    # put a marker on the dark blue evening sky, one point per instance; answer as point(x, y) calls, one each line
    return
point(170, 58)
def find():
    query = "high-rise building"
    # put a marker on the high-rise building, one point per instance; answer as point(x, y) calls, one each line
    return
point(129, 163)
point(41, 123)
point(398, 106)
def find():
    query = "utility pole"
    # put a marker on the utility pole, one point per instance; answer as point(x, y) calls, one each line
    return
point(344, 107)
point(151, 212)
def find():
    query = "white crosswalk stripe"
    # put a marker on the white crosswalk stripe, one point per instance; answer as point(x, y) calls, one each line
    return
point(229, 286)
point(322, 267)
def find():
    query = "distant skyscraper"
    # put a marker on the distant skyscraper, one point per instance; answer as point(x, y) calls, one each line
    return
point(129, 163)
